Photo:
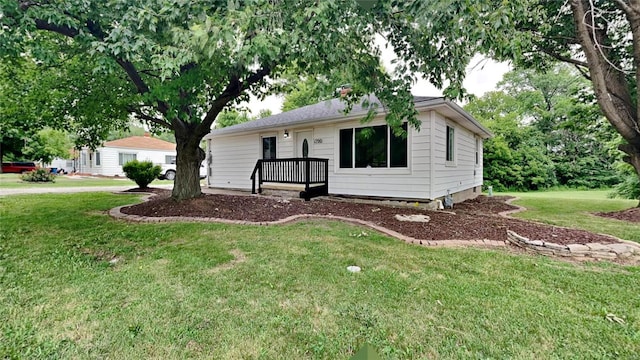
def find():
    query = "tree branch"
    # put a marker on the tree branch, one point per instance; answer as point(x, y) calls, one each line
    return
point(627, 8)
point(149, 118)
point(255, 77)
point(233, 89)
point(610, 87)
point(566, 59)
point(583, 72)
point(98, 33)
point(60, 29)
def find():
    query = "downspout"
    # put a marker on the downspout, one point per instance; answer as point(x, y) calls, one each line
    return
point(432, 153)
point(209, 162)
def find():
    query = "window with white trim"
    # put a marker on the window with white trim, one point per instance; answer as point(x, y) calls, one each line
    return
point(124, 158)
point(450, 156)
point(372, 147)
point(97, 157)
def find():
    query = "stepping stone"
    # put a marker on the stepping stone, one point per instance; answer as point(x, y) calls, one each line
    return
point(413, 218)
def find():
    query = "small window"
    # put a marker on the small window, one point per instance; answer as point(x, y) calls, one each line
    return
point(170, 159)
point(124, 158)
point(346, 148)
point(97, 158)
point(83, 159)
point(450, 155)
point(477, 152)
point(269, 147)
point(398, 148)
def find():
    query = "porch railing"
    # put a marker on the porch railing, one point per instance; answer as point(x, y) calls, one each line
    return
point(313, 173)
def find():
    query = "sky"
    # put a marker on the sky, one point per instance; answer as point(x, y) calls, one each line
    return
point(482, 76)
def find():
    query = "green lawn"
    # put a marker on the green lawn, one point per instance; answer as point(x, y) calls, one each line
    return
point(574, 208)
point(190, 290)
point(12, 181)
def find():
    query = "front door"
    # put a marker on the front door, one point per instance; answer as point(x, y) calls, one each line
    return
point(304, 142)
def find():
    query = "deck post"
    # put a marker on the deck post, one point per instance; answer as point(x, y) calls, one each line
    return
point(307, 176)
point(326, 176)
point(260, 178)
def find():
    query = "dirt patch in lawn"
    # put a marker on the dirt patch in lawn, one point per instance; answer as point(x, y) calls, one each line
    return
point(470, 220)
point(631, 215)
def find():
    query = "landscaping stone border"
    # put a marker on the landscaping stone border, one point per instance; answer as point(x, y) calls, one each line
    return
point(624, 250)
point(118, 214)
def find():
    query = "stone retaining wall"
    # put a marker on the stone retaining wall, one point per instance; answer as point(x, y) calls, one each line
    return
point(625, 250)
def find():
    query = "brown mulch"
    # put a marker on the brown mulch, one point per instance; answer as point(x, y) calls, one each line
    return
point(631, 215)
point(470, 220)
point(152, 190)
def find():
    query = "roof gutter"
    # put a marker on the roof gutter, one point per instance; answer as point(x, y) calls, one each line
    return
point(270, 127)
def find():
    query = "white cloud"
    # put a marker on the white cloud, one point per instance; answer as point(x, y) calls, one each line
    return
point(271, 102)
point(482, 76)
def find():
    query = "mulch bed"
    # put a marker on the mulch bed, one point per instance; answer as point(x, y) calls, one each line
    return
point(471, 220)
point(631, 215)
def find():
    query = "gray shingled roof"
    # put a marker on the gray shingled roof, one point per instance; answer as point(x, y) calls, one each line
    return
point(333, 110)
point(324, 110)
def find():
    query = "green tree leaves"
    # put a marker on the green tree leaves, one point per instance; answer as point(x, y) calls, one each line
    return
point(549, 131)
point(47, 145)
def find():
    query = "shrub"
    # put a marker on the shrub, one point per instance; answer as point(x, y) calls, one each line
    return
point(38, 175)
point(629, 188)
point(141, 172)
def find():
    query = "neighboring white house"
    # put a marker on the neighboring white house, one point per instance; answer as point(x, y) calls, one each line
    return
point(109, 158)
point(364, 159)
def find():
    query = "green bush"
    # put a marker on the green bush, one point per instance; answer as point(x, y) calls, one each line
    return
point(629, 188)
point(38, 175)
point(141, 172)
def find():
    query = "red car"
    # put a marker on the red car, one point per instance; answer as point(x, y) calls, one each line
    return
point(18, 167)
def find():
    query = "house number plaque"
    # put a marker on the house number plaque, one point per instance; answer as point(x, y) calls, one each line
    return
point(317, 141)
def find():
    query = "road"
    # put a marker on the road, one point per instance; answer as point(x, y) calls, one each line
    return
point(74, 189)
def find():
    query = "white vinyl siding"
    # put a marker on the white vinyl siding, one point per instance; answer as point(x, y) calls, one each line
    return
point(426, 175)
point(411, 181)
point(465, 174)
point(233, 159)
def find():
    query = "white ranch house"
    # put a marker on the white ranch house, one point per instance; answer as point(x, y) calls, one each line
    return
point(359, 159)
point(108, 159)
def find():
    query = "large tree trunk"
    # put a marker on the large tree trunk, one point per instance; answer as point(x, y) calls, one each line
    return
point(189, 157)
point(612, 90)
